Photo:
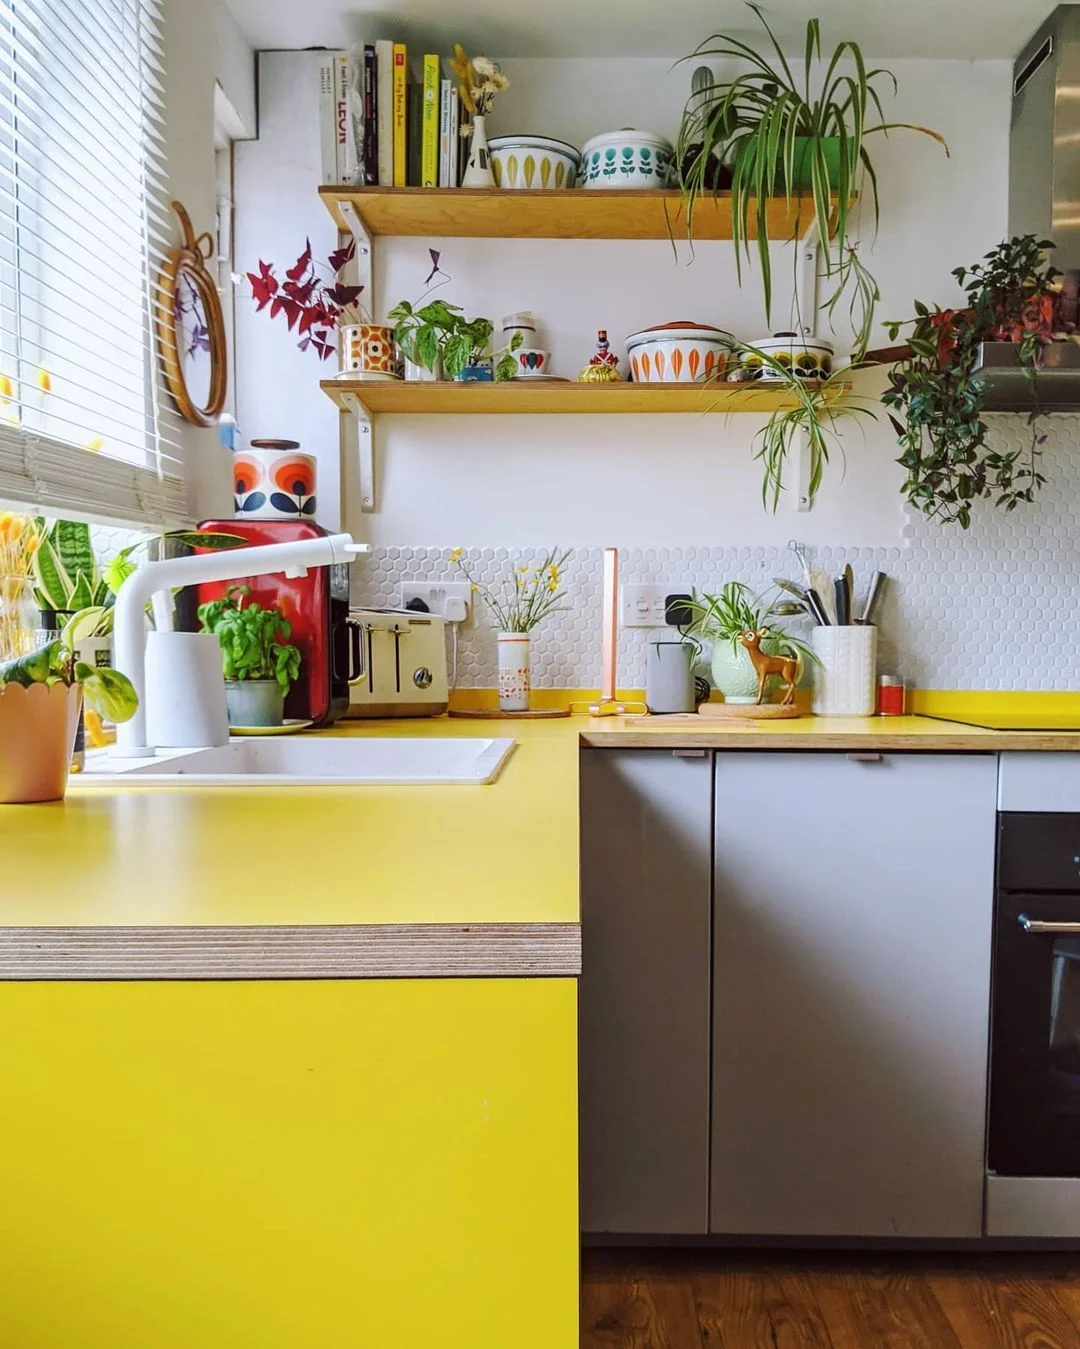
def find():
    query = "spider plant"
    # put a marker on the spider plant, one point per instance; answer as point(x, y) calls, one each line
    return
point(735, 610)
point(820, 406)
point(783, 131)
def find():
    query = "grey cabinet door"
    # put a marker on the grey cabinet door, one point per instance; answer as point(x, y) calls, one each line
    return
point(852, 932)
point(646, 874)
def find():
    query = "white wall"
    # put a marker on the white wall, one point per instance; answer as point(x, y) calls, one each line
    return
point(203, 46)
point(648, 480)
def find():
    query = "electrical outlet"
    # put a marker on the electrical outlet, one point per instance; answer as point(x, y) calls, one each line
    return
point(642, 606)
point(435, 594)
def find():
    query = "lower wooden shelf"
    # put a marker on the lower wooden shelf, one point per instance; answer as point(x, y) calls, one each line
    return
point(524, 396)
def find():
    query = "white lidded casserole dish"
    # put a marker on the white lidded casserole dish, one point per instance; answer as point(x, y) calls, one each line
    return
point(681, 352)
point(627, 159)
point(524, 163)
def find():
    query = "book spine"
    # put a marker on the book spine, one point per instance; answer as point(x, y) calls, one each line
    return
point(401, 145)
point(327, 131)
point(414, 125)
point(429, 145)
point(345, 150)
point(444, 135)
point(371, 128)
point(455, 136)
point(384, 103)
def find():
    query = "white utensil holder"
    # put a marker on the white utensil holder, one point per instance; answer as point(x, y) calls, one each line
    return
point(845, 680)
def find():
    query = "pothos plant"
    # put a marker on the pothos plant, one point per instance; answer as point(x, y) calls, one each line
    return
point(253, 639)
point(939, 396)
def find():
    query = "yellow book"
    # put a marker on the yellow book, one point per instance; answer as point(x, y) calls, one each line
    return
point(401, 146)
point(429, 149)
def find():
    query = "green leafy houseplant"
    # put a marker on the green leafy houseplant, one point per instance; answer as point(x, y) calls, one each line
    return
point(720, 619)
point(469, 344)
point(784, 129)
point(939, 396)
point(819, 407)
point(107, 691)
point(253, 639)
point(422, 332)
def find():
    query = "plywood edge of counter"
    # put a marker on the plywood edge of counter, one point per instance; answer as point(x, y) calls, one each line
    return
point(753, 738)
point(376, 951)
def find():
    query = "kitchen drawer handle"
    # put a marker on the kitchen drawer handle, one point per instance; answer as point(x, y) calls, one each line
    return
point(1037, 926)
point(688, 753)
point(865, 758)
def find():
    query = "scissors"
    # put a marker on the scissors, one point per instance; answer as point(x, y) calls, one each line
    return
point(800, 553)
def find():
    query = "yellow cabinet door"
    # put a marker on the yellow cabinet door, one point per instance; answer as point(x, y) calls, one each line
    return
point(288, 1165)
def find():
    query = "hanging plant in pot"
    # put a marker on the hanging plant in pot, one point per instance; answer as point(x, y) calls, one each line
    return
point(519, 604)
point(787, 130)
point(258, 663)
point(939, 396)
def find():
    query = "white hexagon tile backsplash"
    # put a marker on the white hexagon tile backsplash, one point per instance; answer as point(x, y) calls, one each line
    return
point(992, 608)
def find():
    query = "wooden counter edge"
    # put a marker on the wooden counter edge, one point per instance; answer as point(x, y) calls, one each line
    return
point(970, 742)
point(377, 951)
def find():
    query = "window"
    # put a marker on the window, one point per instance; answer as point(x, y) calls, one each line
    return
point(83, 228)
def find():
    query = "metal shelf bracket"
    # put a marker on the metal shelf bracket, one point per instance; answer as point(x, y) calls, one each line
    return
point(364, 430)
point(806, 282)
point(364, 257)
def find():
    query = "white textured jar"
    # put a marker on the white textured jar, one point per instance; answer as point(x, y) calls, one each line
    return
point(845, 680)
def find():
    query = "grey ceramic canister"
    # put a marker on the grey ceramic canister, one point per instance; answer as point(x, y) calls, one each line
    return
point(669, 677)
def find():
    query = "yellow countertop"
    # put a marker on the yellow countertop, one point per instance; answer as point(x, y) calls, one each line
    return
point(132, 856)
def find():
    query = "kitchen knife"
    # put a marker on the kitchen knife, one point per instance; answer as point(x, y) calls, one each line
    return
point(843, 601)
point(874, 596)
point(813, 601)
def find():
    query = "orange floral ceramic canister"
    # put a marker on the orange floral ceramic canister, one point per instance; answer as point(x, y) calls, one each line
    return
point(37, 735)
point(368, 351)
point(678, 353)
point(272, 480)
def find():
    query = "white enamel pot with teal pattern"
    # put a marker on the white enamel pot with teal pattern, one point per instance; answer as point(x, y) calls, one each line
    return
point(524, 163)
point(627, 158)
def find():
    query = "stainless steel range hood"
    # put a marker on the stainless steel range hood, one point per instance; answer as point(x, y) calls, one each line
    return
point(1044, 200)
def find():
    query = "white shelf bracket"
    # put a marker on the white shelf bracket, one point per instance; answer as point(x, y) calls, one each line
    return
point(801, 499)
point(365, 450)
point(806, 282)
point(363, 261)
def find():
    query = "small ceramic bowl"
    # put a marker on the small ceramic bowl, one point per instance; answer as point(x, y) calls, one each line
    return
point(809, 358)
point(626, 158)
point(678, 353)
point(531, 362)
point(524, 162)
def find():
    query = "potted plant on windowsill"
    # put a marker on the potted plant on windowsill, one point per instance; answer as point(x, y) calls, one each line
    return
point(259, 665)
point(41, 694)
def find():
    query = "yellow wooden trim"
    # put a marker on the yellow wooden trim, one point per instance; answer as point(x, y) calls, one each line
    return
point(991, 702)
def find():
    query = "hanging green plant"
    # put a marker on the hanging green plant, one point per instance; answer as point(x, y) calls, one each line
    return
point(785, 134)
point(940, 397)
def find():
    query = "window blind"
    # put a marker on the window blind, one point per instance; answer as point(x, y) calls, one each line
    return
point(84, 229)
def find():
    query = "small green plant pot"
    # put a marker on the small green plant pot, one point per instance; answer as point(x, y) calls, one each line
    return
point(733, 672)
point(254, 702)
point(802, 168)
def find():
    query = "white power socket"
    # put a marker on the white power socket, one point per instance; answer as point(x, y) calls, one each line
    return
point(642, 606)
point(435, 595)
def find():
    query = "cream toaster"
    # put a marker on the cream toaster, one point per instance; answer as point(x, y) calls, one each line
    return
point(406, 664)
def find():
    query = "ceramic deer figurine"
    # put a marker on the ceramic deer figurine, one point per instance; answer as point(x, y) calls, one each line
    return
point(787, 667)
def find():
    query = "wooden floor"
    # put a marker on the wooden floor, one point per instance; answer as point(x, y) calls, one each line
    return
point(783, 1300)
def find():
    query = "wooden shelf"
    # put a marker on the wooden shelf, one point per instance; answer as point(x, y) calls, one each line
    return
point(526, 396)
point(576, 213)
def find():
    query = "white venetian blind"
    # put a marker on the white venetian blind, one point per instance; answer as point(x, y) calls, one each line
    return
point(83, 229)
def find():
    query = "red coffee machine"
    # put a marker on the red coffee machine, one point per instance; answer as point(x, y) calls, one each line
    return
point(317, 606)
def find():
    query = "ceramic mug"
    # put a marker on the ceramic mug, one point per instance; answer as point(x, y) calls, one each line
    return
point(531, 361)
point(271, 481)
point(367, 351)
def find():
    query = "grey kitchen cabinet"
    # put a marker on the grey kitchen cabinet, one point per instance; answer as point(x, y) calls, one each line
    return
point(646, 875)
point(852, 918)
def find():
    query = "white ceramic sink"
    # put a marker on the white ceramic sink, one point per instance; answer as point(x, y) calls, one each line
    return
point(316, 759)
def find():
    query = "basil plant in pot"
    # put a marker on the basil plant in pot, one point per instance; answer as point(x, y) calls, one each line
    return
point(258, 663)
point(720, 619)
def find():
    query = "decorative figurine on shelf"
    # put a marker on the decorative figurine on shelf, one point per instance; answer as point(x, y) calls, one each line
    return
point(603, 367)
point(787, 667)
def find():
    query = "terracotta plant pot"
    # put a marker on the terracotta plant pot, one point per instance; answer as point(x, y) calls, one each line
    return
point(37, 734)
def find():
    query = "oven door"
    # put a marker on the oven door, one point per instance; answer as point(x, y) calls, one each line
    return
point(1035, 1036)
